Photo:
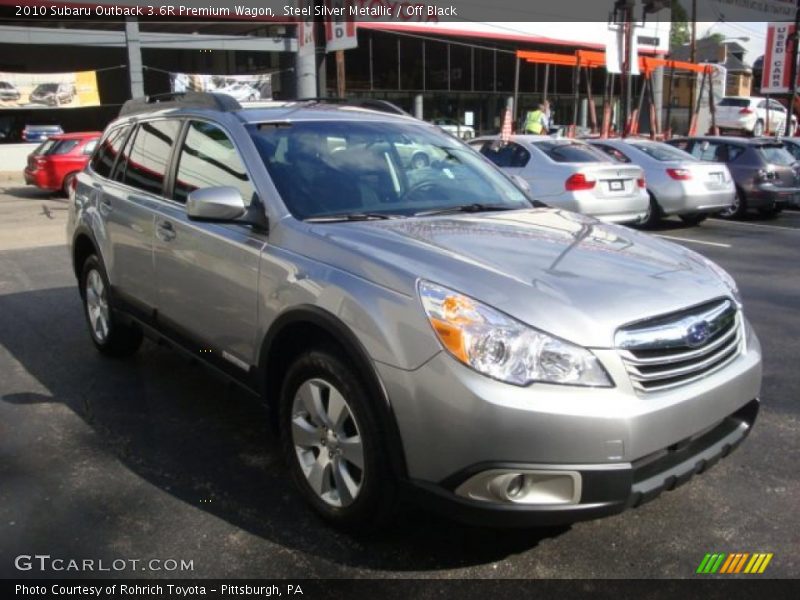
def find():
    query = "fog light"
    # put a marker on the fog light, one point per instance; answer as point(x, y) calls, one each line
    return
point(523, 487)
point(515, 486)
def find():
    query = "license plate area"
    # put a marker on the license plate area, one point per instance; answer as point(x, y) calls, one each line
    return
point(616, 185)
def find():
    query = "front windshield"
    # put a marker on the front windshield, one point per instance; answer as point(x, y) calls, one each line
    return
point(327, 168)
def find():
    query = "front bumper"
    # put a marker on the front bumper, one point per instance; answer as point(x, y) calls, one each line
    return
point(605, 489)
point(453, 421)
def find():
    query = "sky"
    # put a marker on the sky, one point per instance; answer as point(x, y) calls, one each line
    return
point(757, 32)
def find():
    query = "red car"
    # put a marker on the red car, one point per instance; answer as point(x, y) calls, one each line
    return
point(54, 164)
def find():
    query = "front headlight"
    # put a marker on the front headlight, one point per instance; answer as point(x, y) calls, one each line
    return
point(500, 347)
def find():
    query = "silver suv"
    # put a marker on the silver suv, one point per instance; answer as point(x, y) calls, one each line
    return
point(421, 328)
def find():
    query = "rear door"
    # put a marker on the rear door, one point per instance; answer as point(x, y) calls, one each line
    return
point(128, 219)
point(207, 273)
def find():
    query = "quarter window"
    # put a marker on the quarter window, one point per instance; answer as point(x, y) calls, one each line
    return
point(103, 159)
point(148, 161)
point(209, 159)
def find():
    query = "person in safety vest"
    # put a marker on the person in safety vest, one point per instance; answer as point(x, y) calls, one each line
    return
point(535, 121)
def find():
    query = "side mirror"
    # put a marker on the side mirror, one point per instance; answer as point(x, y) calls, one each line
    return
point(521, 183)
point(222, 203)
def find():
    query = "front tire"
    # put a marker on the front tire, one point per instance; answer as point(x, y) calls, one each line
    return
point(332, 442)
point(109, 335)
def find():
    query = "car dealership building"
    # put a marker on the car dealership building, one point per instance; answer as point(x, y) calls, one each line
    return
point(467, 71)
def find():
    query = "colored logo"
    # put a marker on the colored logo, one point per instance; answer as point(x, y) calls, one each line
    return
point(738, 562)
point(697, 334)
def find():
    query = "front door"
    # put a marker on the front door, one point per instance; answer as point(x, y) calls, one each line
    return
point(207, 273)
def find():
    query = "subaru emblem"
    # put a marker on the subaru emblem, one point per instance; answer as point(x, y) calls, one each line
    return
point(697, 334)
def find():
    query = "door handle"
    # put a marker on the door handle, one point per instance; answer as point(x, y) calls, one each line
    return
point(105, 206)
point(165, 231)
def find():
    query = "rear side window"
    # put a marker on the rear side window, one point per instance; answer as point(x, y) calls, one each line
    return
point(776, 155)
point(506, 155)
point(740, 102)
point(208, 158)
point(614, 153)
point(44, 148)
point(147, 164)
point(63, 146)
point(103, 159)
point(572, 152)
point(713, 151)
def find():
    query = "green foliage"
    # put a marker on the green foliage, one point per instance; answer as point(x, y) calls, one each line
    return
point(679, 32)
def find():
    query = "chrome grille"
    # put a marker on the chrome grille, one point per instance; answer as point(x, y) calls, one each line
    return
point(677, 349)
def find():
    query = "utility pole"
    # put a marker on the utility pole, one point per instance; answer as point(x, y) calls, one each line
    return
point(793, 71)
point(693, 58)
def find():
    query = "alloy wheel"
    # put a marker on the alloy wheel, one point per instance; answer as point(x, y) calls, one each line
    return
point(97, 306)
point(327, 442)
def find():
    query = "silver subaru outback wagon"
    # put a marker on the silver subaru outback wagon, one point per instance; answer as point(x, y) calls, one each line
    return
point(419, 326)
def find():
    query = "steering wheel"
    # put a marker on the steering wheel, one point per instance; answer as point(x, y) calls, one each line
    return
point(426, 185)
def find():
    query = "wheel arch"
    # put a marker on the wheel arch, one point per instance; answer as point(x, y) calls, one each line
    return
point(307, 326)
point(83, 246)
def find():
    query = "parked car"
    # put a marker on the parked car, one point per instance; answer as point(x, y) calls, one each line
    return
point(792, 145)
point(9, 92)
point(453, 127)
point(53, 94)
point(678, 183)
point(54, 164)
point(748, 114)
point(765, 173)
point(243, 92)
point(425, 332)
point(40, 133)
point(573, 175)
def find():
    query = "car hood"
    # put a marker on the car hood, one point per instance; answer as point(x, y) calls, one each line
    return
point(562, 272)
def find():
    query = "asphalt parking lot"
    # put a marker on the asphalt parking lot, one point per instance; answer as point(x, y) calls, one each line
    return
point(155, 458)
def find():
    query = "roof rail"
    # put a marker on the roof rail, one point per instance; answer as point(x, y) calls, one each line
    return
point(368, 103)
point(213, 101)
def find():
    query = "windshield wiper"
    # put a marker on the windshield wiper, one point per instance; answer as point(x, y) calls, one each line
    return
point(351, 217)
point(475, 207)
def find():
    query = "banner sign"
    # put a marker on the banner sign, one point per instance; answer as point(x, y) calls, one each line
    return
point(245, 88)
point(48, 90)
point(777, 59)
point(340, 33)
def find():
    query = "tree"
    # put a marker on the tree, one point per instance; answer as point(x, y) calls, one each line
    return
point(679, 31)
point(717, 37)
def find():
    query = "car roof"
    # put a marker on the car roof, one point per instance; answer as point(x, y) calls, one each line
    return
point(727, 138)
point(77, 135)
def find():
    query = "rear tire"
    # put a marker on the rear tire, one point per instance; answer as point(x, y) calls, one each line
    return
point(739, 207)
point(339, 465)
point(110, 336)
point(758, 128)
point(654, 213)
point(694, 219)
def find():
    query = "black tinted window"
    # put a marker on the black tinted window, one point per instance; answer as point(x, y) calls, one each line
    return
point(506, 155)
point(209, 159)
point(572, 152)
point(103, 159)
point(63, 146)
point(149, 156)
point(614, 153)
point(740, 102)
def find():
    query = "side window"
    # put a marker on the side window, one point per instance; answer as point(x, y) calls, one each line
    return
point(124, 156)
point(149, 155)
point(90, 146)
point(500, 154)
point(103, 159)
point(705, 150)
point(684, 145)
point(762, 104)
point(734, 152)
point(520, 156)
point(613, 153)
point(776, 106)
point(208, 158)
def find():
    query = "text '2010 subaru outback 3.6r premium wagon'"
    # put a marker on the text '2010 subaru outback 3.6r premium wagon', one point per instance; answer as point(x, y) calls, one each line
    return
point(421, 328)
